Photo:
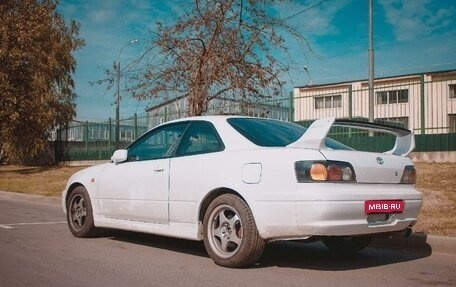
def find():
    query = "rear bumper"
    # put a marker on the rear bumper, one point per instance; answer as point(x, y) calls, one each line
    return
point(333, 210)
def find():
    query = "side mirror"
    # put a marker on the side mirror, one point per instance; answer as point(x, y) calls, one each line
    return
point(119, 156)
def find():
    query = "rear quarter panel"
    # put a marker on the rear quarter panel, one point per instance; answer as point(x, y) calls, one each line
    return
point(194, 177)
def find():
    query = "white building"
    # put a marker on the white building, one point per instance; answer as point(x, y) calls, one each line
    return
point(425, 103)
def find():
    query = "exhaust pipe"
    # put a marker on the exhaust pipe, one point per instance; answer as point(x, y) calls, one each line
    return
point(408, 232)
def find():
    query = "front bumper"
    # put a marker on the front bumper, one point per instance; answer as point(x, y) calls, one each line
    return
point(333, 210)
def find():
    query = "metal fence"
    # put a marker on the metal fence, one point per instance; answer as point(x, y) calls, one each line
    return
point(96, 140)
point(424, 103)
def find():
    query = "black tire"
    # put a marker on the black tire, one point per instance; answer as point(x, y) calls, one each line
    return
point(80, 213)
point(345, 245)
point(230, 234)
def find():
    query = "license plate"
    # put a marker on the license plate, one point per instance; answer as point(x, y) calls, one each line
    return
point(383, 206)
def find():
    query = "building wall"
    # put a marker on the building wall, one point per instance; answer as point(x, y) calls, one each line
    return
point(439, 101)
point(430, 93)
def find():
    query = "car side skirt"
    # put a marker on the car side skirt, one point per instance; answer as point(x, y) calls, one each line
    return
point(189, 231)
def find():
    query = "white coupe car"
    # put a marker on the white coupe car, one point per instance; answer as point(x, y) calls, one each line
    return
point(239, 182)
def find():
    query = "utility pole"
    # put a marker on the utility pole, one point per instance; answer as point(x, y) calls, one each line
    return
point(371, 62)
point(306, 69)
point(117, 67)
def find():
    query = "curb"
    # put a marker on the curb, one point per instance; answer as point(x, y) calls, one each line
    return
point(417, 242)
point(31, 197)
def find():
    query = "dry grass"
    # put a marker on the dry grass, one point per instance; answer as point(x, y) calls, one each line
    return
point(49, 181)
point(437, 182)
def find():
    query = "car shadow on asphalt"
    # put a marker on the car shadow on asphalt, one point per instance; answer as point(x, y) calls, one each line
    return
point(195, 248)
point(315, 256)
point(289, 254)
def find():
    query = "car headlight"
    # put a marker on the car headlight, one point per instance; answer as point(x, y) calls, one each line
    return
point(409, 175)
point(327, 171)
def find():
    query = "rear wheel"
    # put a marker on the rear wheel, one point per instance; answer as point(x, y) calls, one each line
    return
point(80, 213)
point(346, 245)
point(230, 234)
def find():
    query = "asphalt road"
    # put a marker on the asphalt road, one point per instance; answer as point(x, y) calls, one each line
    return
point(37, 249)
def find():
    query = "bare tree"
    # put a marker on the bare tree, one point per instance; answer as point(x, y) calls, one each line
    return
point(226, 48)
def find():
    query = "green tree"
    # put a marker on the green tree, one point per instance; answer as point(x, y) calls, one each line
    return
point(36, 85)
point(228, 48)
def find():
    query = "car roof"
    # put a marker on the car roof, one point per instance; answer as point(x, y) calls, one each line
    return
point(209, 118)
point(218, 118)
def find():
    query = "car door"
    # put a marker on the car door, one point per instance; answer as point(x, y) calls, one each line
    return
point(138, 189)
point(194, 169)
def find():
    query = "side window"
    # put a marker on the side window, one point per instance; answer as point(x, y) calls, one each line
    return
point(158, 143)
point(200, 137)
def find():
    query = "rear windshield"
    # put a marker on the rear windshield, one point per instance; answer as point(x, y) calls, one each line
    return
point(273, 133)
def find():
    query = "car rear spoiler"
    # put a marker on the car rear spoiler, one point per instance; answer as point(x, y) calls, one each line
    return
point(316, 134)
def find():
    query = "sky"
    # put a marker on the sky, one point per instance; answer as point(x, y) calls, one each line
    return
point(409, 37)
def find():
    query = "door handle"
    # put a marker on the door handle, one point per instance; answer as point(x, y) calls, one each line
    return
point(159, 170)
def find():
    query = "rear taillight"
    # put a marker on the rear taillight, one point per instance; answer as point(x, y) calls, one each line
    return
point(409, 175)
point(324, 171)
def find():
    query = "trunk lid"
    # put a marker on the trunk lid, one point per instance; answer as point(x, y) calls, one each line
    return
point(372, 167)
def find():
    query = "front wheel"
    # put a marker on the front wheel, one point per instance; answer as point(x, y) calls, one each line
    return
point(346, 246)
point(80, 213)
point(230, 234)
